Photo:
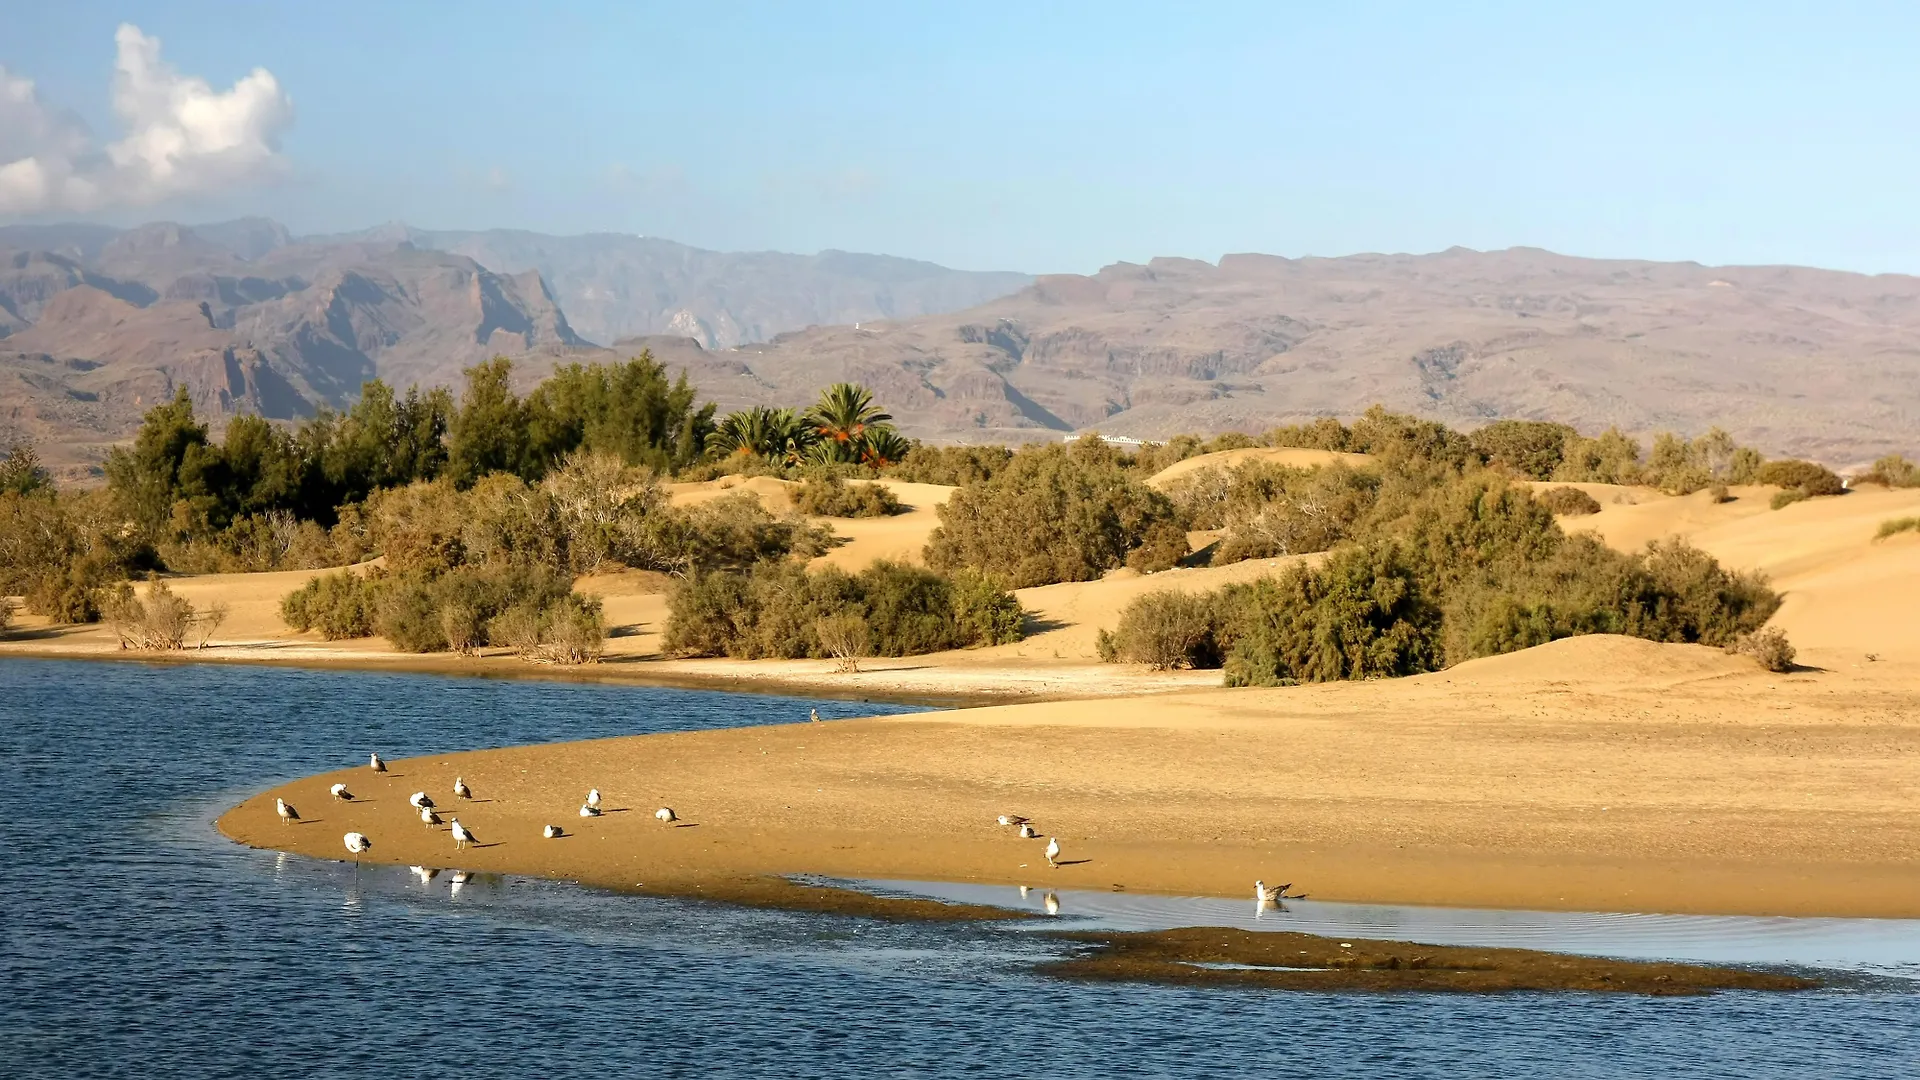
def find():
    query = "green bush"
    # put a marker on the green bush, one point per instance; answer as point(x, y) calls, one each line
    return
point(1895, 526)
point(1607, 458)
point(1806, 477)
point(339, 605)
point(953, 466)
point(775, 609)
point(1530, 448)
point(1769, 646)
point(1787, 497)
point(830, 496)
point(1165, 630)
point(1271, 510)
point(1569, 501)
point(1057, 513)
point(1893, 471)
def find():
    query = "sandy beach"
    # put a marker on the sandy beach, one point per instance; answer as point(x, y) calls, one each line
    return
point(1595, 773)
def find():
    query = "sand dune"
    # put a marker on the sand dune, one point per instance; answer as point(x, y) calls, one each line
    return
point(1226, 459)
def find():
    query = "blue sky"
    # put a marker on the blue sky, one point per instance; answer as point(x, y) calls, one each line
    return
point(1059, 137)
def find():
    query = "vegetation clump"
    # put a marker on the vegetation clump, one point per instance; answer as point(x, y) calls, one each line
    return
point(1058, 513)
point(1769, 646)
point(1798, 480)
point(1473, 567)
point(952, 466)
point(1569, 501)
point(1892, 471)
point(160, 622)
point(1896, 526)
point(828, 495)
point(779, 609)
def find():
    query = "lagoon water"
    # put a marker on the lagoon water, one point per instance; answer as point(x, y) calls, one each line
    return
point(134, 940)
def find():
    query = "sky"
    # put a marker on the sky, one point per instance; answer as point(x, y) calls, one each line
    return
point(1023, 136)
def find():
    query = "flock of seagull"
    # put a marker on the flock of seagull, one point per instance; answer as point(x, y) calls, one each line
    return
point(1264, 895)
point(358, 844)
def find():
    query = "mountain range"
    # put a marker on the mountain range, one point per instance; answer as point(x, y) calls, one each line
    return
point(96, 324)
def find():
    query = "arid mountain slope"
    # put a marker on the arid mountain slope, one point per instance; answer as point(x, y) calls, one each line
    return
point(98, 324)
point(1812, 362)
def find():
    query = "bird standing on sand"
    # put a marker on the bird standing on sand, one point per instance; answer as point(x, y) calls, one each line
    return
point(814, 715)
point(428, 817)
point(461, 790)
point(339, 791)
point(374, 763)
point(287, 813)
point(593, 798)
point(358, 843)
point(552, 832)
point(666, 814)
point(1026, 831)
point(462, 836)
point(419, 801)
point(1053, 851)
point(1264, 895)
point(589, 810)
point(1012, 819)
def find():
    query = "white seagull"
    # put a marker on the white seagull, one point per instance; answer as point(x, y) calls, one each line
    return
point(428, 817)
point(287, 813)
point(589, 810)
point(593, 798)
point(358, 843)
point(419, 801)
point(814, 714)
point(340, 792)
point(666, 814)
point(462, 836)
point(1026, 831)
point(374, 763)
point(461, 790)
point(1012, 819)
point(1264, 895)
point(1053, 850)
point(552, 832)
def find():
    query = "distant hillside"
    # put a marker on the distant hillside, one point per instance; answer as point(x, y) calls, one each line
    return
point(1792, 360)
point(97, 324)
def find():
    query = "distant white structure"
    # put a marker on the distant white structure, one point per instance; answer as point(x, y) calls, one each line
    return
point(1110, 440)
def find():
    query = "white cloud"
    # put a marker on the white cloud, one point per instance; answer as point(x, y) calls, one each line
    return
point(181, 137)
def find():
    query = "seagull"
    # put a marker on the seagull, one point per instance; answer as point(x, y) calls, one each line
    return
point(428, 817)
point(1264, 895)
point(666, 814)
point(1012, 819)
point(552, 832)
point(374, 763)
point(358, 843)
point(462, 836)
point(340, 792)
point(593, 798)
point(589, 810)
point(461, 789)
point(1026, 831)
point(287, 813)
point(1053, 850)
point(1052, 901)
point(419, 801)
point(814, 714)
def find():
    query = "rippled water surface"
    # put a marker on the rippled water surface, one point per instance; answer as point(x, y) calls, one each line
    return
point(135, 941)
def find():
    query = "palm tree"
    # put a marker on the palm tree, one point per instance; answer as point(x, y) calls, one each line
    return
point(884, 447)
point(761, 430)
point(842, 417)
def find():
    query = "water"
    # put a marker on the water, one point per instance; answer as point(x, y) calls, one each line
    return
point(135, 940)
